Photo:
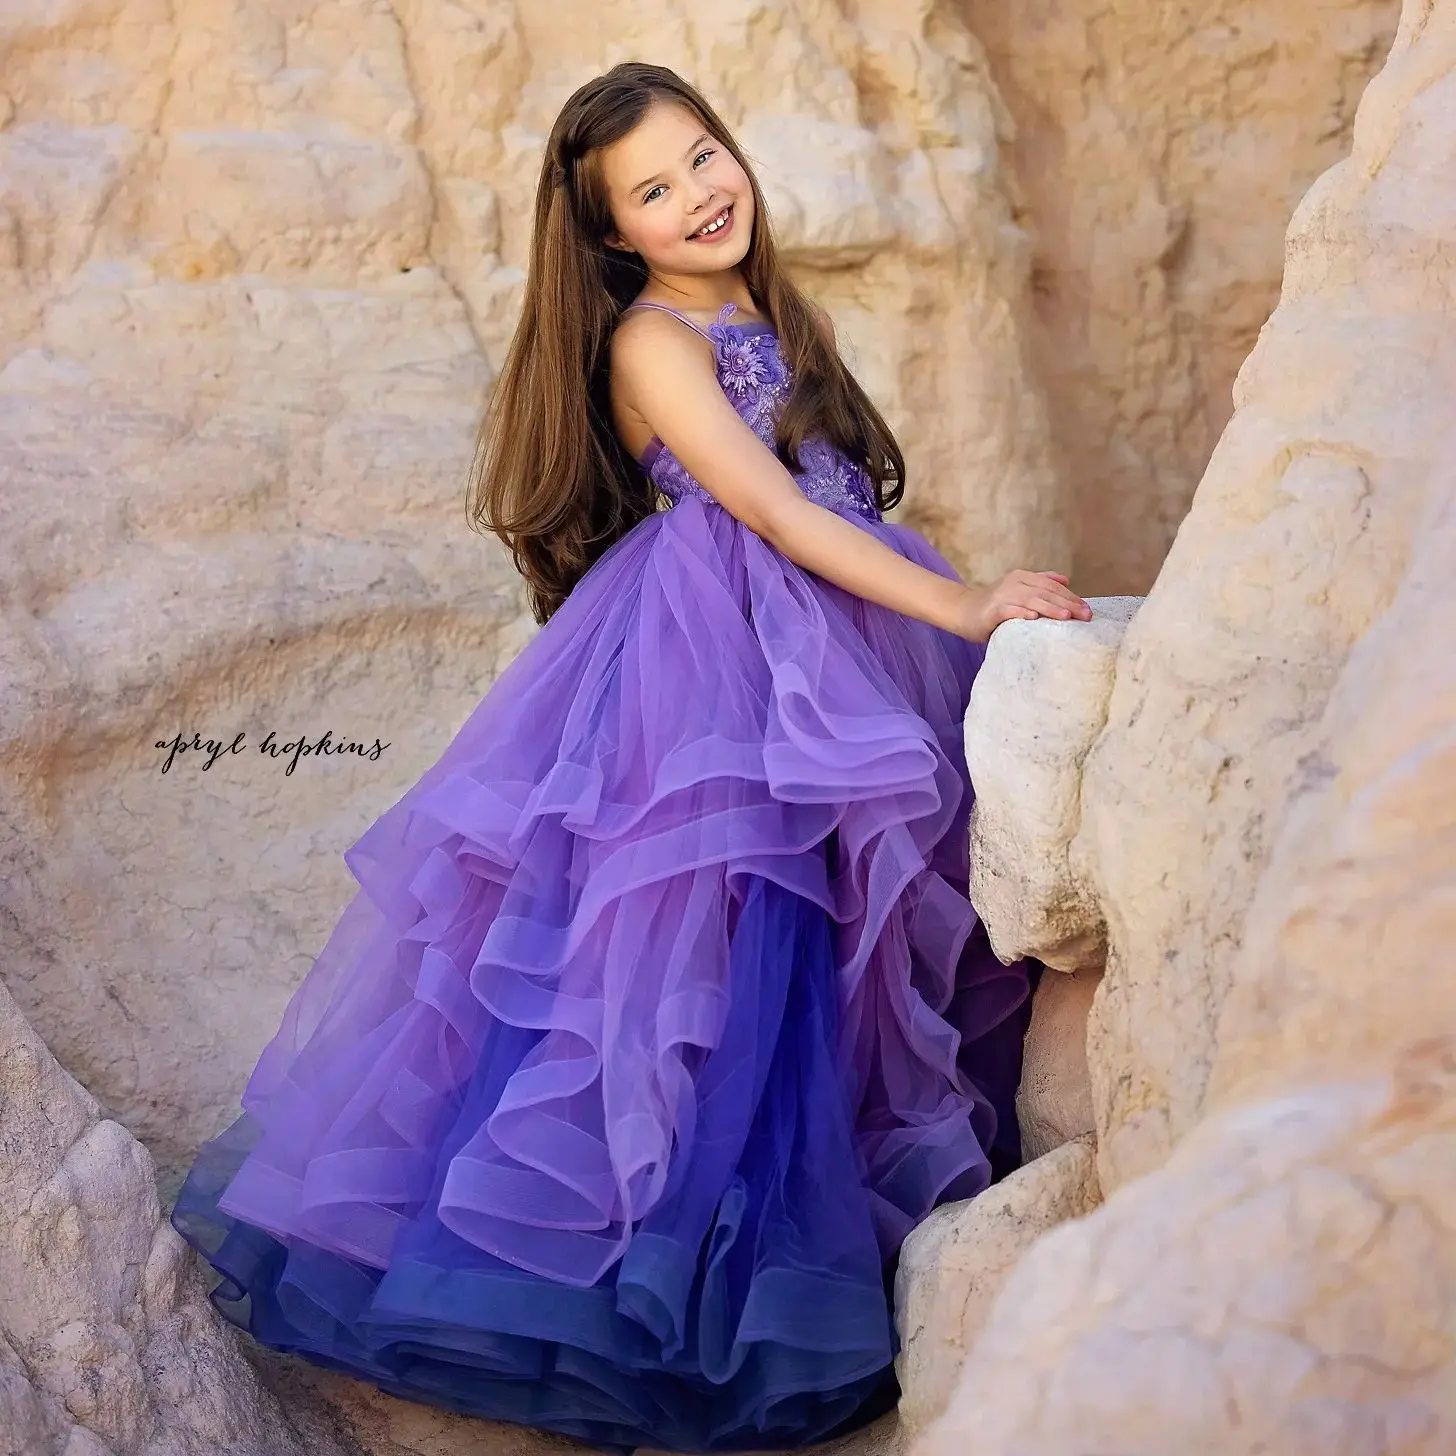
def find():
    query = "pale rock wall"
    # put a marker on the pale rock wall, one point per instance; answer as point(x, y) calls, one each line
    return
point(1350, 944)
point(258, 263)
point(1285, 1279)
point(1301, 532)
point(1160, 150)
point(108, 1346)
point(1283, 1284)
point(1054, 1100)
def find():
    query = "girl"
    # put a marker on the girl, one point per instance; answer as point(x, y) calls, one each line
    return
point(661, 1014)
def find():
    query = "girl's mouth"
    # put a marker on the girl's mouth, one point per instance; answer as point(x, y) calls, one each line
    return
point(718, 226)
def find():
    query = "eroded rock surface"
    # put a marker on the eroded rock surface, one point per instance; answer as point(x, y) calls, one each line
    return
point(1054, 1101)
point(1300, 535)
point(1285, 1280)
point(1160, 150)
point(108, 1346)
point(1283, 1284)
point(1039, 703)
point(953, 1267)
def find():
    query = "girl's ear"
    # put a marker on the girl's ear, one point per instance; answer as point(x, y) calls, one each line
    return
point(614, 240)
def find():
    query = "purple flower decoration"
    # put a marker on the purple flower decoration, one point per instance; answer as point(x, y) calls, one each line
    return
point(741, 367)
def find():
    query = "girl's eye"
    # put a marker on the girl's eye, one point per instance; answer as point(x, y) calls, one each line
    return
point(653, 191)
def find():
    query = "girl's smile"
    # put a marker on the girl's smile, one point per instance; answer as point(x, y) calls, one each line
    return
point(716, 229)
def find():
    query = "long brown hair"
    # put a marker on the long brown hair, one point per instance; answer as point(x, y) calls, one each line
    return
point(550, 477)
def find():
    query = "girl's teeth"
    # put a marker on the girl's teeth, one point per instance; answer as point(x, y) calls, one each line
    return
point(713, 226)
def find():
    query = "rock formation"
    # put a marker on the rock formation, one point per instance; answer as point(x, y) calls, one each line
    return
point(1039, 704)
point(1268, 827)
point(954, 1265)
point(1054, 1101)
point(1300, 536)
point(1142, 143)
point(107, 1341)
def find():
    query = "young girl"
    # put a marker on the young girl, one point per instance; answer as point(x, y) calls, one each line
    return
point(661, 1015)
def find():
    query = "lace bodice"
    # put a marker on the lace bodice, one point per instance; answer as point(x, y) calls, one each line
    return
point(756, 380)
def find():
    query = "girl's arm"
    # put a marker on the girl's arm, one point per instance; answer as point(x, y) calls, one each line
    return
point(665, 374)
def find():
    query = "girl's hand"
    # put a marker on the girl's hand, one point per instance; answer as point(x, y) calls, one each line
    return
point(1021, 596)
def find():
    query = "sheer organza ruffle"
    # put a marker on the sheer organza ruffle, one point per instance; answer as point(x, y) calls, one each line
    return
point(659, 1018)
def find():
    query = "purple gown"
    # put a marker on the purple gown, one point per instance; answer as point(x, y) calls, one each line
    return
point(660, 1015)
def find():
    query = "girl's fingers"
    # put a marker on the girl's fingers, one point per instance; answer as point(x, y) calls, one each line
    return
point(1050, 582)
point(1053, 606)
point(1068, 598)
point(1046, 605)
point(1051, 596)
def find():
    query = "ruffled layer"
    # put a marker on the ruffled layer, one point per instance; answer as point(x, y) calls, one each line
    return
point(661, 994)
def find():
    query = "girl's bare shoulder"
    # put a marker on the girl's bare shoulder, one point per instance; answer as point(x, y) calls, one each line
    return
point(647, 341)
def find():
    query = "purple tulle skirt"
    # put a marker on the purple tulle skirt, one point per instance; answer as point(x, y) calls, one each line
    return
point(658, 1020)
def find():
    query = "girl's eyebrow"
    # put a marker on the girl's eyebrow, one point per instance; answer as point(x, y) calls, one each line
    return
point(656, 175)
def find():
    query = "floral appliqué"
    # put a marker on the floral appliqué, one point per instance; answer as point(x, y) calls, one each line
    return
point(747, 365)
point(740, 369)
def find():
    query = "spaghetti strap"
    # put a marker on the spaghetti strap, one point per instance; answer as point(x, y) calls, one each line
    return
point(663, 308)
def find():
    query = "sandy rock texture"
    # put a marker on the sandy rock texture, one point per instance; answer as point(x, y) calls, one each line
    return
point(1054, 1101)
point(257, 266)
point(1039, 704)
point(1301, 533)
point(1283, 1284)
point(1284, 1279)
point(954, 1265)
point(1159, 151)
point(108, 1346)
point(1287, 1282)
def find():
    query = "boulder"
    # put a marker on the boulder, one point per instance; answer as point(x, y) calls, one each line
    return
point(1039, 703)
point(1284, 1279)
point(953, 1267)
point(108, 1345)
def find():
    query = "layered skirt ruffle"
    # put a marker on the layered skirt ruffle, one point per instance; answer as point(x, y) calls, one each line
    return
point(659, 1018)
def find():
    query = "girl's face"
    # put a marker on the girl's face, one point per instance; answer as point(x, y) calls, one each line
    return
point(678, 198)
